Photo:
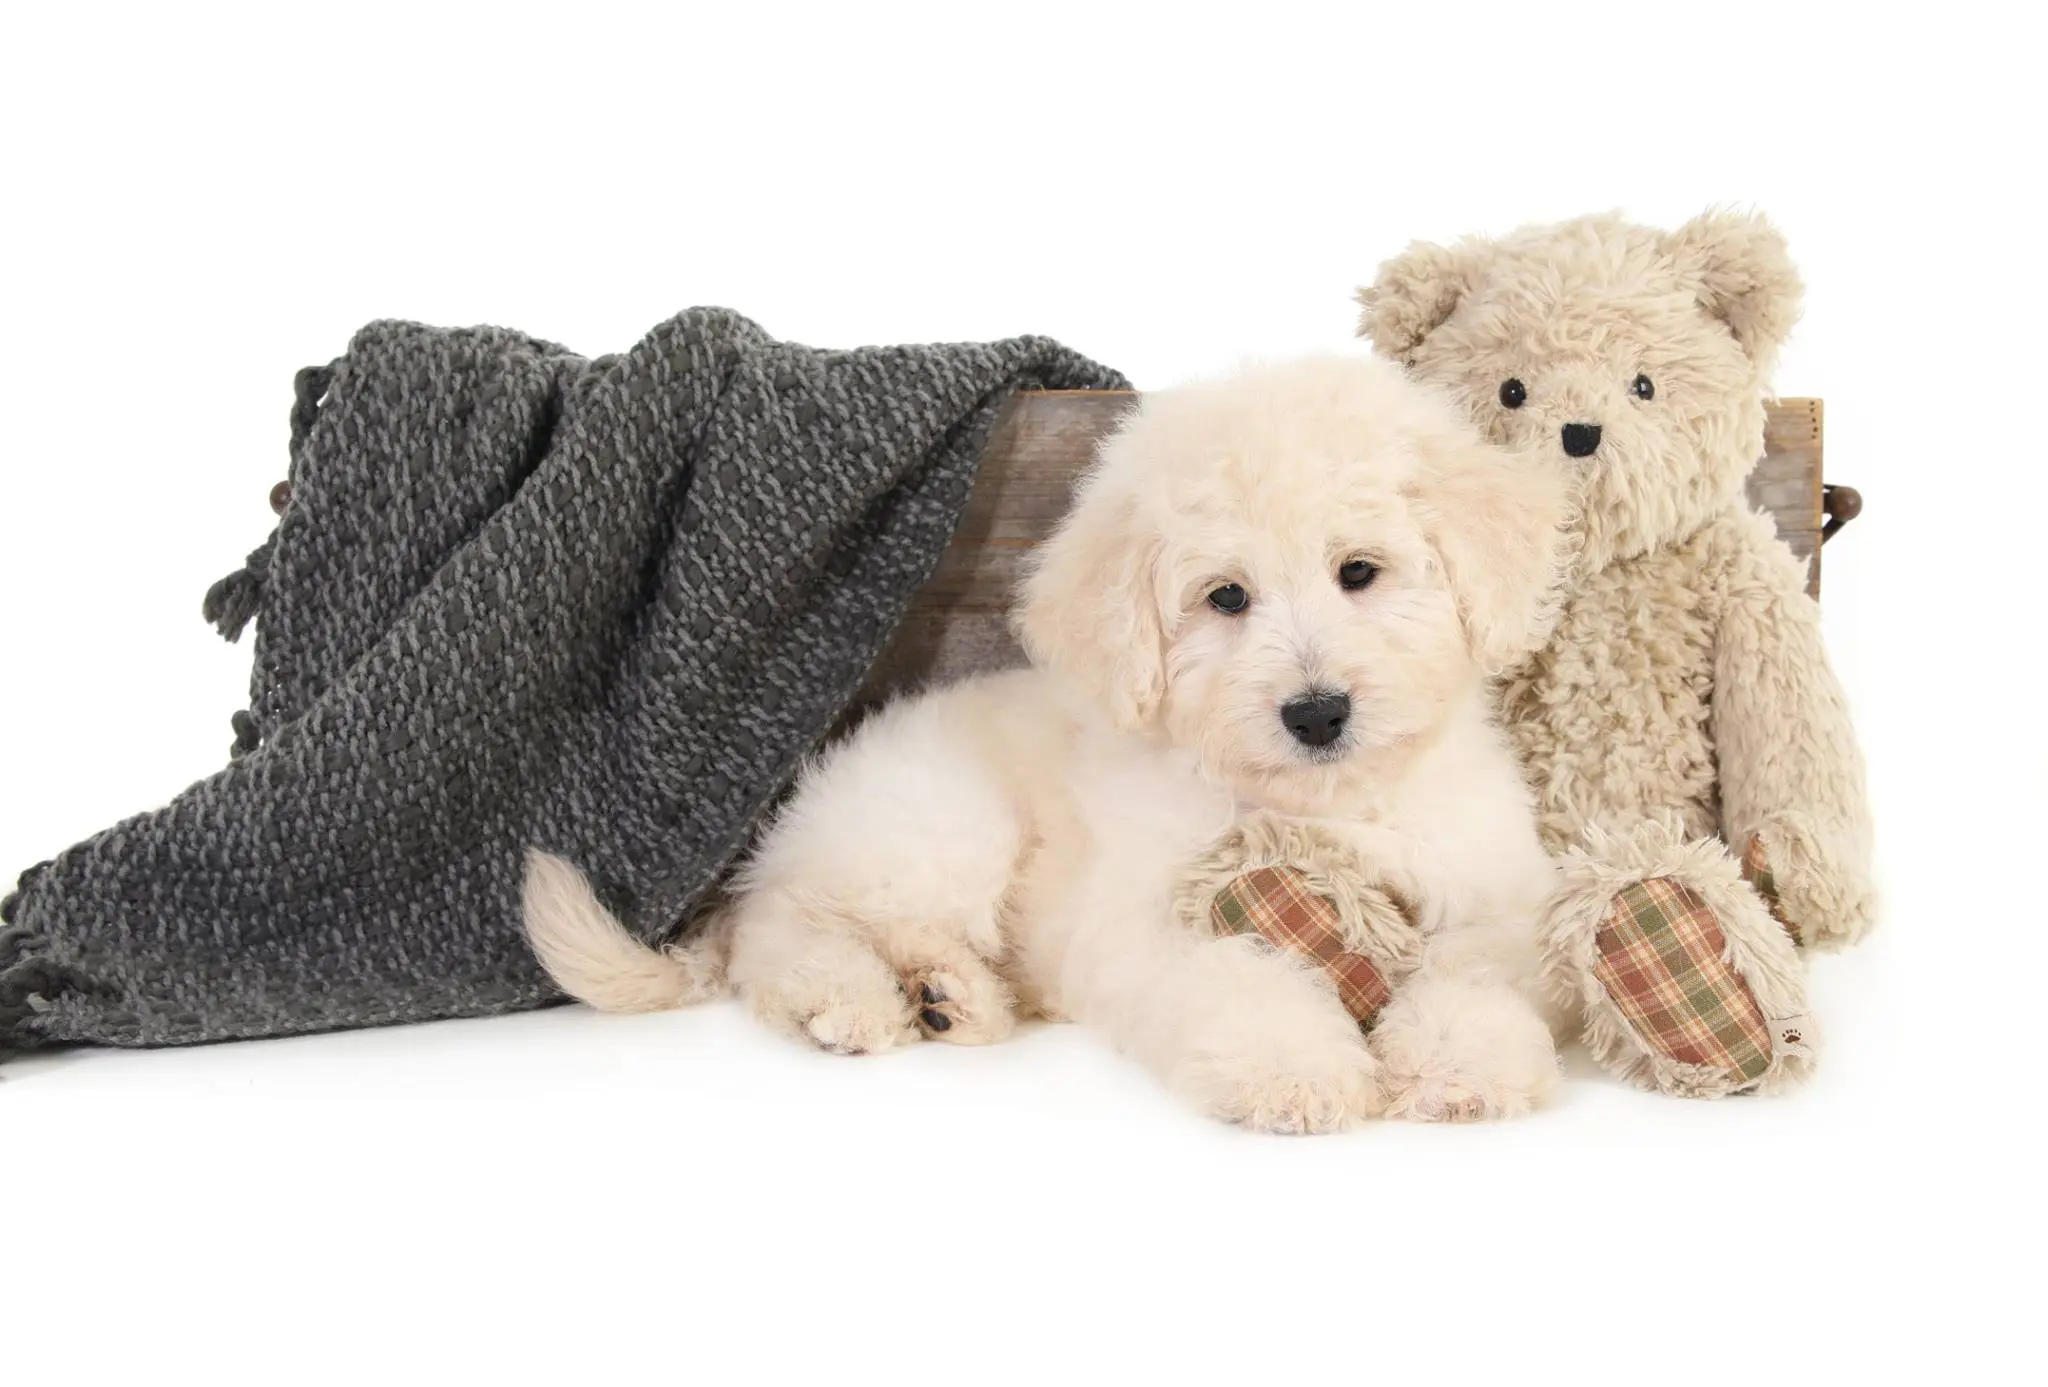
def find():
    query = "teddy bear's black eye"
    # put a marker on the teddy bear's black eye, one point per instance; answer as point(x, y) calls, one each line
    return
point(1230, 599)
point(1513, 393)
point(1645, 388)
point(1356, 574)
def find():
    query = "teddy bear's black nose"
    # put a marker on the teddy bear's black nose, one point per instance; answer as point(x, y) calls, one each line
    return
point(1581, 439)
point(1317, 719)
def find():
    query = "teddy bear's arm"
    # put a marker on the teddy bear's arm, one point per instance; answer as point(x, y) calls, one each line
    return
point(1793, 802)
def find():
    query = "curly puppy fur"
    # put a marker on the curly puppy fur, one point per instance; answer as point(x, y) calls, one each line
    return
point(1010, 845)
point(1686, 675)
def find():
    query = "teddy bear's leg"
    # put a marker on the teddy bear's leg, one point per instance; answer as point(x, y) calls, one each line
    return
point(1763, 879)
point(1687, 983)
point(1306, 894)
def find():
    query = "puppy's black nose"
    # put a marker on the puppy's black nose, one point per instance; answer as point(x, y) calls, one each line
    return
point(1581, 439)
point(1317, 719)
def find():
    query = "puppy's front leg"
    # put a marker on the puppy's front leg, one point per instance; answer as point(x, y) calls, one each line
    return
point(1461, 1040)
point(1258, 1036)
point(1250, 1034)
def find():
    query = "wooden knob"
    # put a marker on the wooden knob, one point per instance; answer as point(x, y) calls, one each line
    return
point(280, 497)
point(1840, 504)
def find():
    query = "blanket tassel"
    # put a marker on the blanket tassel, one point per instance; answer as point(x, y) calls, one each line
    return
point(233, 601)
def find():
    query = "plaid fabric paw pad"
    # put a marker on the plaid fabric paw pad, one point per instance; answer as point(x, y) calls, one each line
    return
point(1275, 903)
point(1663, 961)
point(1756, 870)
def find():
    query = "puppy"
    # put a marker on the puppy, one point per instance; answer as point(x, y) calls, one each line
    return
point(1274, 604)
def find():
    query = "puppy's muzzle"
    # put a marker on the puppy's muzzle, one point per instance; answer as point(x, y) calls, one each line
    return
point(1316, 719)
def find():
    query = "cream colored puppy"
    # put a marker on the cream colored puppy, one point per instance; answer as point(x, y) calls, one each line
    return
point(1274, 605)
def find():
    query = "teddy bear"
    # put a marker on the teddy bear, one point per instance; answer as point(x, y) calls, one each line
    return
point(1689, 749)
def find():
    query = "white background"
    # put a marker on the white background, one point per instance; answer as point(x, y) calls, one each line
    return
point(194, 204)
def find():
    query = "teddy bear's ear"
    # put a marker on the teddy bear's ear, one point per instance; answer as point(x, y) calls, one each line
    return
point(1412, 295)
point(1746, 278)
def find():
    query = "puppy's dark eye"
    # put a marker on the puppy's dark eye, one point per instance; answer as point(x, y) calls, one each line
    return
point(1645, 388)
point(1230, 599)
point(1513, 393)
point(1356, 574)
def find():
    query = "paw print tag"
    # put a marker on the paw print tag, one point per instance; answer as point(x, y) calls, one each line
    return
point(1788, 1035)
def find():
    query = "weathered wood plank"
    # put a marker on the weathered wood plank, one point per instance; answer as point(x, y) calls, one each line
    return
point(1787, 479)
point(958, 623)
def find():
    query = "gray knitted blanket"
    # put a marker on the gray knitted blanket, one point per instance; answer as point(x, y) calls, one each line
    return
point(516, 597)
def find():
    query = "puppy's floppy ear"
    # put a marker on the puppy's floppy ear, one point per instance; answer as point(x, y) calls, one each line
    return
point(1746, 278)
point(1496, 519)
point(1412, 295)
point(1088, 611)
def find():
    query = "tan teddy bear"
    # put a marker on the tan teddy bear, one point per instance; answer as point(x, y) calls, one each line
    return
point(1690, 749)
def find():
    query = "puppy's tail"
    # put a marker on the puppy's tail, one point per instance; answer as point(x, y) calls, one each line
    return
point(595, 959)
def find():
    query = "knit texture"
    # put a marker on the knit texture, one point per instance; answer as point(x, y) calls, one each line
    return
point(518, 597)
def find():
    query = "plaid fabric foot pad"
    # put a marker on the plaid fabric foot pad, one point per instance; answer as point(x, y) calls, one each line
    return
point(1275, 902)
point(1662, 960)
point(1756, 870)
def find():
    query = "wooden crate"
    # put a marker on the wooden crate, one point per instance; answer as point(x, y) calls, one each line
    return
point(958, 623)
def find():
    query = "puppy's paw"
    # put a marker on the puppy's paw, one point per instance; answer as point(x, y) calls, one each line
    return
point(1445, 1099)
point(1464, 1052)
point(1308, 1094)
point(964, 1003)
point(859, 1011)
point(854, 1028)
